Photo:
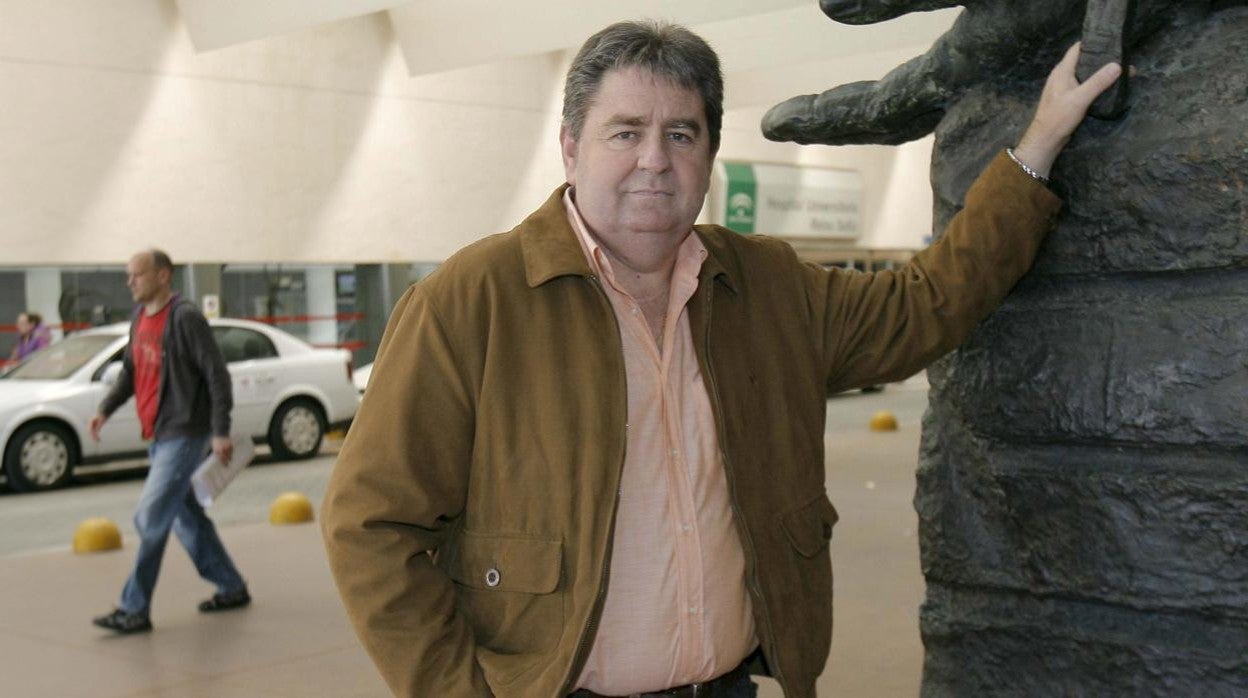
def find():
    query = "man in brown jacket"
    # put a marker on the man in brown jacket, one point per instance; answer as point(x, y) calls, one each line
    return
point(592, 460)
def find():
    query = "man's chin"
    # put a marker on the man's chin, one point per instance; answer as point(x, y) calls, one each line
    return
point(659, 221)
point(646, 227)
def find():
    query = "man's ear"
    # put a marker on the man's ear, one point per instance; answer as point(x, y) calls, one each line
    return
point(567, 149)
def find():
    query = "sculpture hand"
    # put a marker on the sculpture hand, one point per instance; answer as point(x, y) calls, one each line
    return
point(991, 41)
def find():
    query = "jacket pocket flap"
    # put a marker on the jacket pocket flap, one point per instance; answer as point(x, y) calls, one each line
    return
point(507, 563)
point(809, 526)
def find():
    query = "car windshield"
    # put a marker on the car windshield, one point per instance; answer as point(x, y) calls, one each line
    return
point(61, 359)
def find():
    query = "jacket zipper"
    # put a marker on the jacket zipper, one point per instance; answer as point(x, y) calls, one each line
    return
point(769, 644)
point(595, 614)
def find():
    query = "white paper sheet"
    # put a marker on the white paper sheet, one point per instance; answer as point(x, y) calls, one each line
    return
point(212, 476)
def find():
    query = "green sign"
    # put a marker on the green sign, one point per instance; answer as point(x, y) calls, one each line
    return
point(742, 197)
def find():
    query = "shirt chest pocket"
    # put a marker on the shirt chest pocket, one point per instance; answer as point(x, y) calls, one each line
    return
point(509, 590)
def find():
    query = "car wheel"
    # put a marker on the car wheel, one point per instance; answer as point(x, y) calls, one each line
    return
point(40, 456)
point(297, 429)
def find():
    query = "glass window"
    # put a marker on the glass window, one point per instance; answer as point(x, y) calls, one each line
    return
point(239, 344)
point(268, 293)
point(12, 302)
point(92, 296)
point(62, 359)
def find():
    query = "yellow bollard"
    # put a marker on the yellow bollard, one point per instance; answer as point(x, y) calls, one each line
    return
point(95, 535)
point(290, 508)
point(883, 421)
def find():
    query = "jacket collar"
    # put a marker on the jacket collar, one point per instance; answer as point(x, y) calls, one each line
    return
point(175, 301)
point(551, 250)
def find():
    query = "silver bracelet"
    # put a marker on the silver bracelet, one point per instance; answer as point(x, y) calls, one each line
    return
point(1035, 175)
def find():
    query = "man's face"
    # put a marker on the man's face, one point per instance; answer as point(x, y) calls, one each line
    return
point(642, 163)
point(144, 282)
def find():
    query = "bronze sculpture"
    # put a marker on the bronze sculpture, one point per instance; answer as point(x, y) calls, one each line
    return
point(1083, 478)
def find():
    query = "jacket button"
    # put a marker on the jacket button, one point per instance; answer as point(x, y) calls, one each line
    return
point(492, 577)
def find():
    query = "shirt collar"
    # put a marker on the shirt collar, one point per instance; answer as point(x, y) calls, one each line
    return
point(550, 246)
point(689, 256)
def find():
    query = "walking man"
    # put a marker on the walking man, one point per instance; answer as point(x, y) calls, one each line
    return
point(181, 389)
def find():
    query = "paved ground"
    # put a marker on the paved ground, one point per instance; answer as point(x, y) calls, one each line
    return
point(45, 521)
point(294, 641)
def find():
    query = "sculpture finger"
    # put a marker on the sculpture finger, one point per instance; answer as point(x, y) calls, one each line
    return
point(872, 11)
point(855, 113)
point(903, 106)
point(1105, 25)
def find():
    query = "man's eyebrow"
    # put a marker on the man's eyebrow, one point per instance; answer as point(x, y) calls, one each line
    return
point(682, 122)
point(625, 120)
point(690, 124)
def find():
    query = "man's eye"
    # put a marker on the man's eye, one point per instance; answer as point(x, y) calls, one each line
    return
point(680, 137)
point(625, 136)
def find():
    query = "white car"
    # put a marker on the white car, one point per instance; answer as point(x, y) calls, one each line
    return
point(362, 374)
point(285, 392)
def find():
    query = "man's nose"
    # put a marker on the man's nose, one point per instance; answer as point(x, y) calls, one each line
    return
point(654, 156)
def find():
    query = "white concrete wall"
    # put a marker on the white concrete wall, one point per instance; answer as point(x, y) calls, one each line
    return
point(313, 147)
point(904, 208)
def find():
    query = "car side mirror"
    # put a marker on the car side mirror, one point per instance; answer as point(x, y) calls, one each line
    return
point(111, 373)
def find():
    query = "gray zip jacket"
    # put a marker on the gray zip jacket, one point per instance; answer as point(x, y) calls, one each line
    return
point(195, 391)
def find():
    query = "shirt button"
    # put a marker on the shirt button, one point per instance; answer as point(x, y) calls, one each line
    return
point(685, 528)
point(492, 577)
point(693, 609)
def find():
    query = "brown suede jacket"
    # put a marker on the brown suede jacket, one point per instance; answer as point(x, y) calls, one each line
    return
point(491, 438)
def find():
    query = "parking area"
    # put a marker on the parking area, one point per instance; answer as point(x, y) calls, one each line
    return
point(295, 641)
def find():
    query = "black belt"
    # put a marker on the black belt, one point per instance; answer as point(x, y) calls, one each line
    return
point(707, 689)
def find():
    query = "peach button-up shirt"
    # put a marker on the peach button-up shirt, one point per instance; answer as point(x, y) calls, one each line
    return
point(676, 610)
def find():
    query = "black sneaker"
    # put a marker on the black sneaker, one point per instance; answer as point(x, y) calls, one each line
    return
point(226, 601)
point(124, 623)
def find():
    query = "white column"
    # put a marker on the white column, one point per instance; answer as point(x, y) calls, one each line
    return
point(43, 294)
point(322, 302)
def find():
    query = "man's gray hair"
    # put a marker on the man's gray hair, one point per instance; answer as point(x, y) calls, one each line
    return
point(665, 50)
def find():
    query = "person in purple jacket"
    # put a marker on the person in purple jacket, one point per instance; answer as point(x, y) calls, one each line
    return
point(32, 335)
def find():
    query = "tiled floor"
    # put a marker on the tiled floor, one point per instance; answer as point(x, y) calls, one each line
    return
point(294, 639)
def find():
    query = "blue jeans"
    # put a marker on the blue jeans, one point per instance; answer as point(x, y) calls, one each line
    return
point(169, 502)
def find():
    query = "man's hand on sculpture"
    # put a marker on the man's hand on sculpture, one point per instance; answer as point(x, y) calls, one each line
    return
point(1062, 107)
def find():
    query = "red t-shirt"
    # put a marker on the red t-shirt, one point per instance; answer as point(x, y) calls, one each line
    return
point(147, 354)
